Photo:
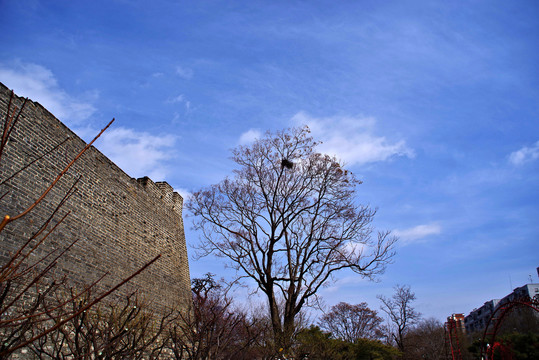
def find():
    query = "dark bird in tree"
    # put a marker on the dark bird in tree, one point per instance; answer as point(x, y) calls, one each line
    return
point(285, 163)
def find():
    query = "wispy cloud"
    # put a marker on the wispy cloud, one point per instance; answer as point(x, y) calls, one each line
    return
point(355, 248)
point(417, 233)
point(249, 136)
point(180, 99)
point(177, 99)
point(352, 280)
point(39, 84)
point(138, 153)
point(525, 154)
point(186, 194)
point(184, 72)
point(352, 139)
point(176, 118)
point(342, 284)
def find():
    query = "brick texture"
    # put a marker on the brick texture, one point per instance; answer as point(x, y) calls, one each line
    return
point(120, 222)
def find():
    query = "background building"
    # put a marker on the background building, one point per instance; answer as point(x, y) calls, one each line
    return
point(478, 318)
point(459, 321)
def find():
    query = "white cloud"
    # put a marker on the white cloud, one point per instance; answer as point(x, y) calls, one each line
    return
point(39, 84)
point(180, 99)
point(525, 154)
point(352, 139)
point(137, 153)
point(177, 99)
point(355, 248)
point(184, 72)
point(352, 280)
point(186, 194)
point(249, 136)
point(345, 283)
point(410, 235)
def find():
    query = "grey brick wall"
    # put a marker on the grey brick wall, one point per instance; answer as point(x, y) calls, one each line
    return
point(120, 222)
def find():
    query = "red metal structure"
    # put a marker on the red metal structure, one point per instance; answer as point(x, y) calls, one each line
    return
point(452, 338)
point(489, 346)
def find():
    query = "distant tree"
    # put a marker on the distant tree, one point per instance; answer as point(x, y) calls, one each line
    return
point(315, 344)
point(522, 346)
point(402, 316)
point(212, 328)
point(352, 322)
point(365, 349)
point(426, 340)
point(289, 220)
point(514, 346)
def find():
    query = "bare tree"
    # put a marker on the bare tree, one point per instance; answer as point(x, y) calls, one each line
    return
point(426, 340)
point(212, 329)
point(288, 220)
point(402, 315)
point(124, 329)
point(352, 322)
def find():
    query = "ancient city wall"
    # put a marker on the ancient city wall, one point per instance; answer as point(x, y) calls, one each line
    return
point(120, 222)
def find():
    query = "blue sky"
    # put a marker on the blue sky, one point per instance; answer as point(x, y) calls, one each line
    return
point(434, 105)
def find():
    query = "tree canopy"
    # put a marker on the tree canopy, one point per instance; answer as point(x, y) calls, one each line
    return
point(352, 322)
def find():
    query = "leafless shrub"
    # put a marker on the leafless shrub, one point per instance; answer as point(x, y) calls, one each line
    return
point(212, 328)
point(125, 329)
